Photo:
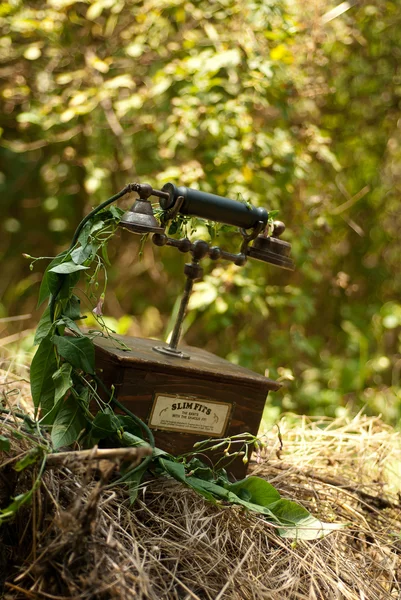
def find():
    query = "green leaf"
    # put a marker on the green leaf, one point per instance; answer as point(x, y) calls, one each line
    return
point(255, 490)
point(44, 291)
point(42, 368)
point(68, 284)
point(68, 424)
point(256, 495)
point(105, 255)
point(84, 235)
point(30, 458)
point(55, 281)
point(129, 425)
point(48, 418)
point(48, 281)
point(301, 524)
point(105, 424)
point(85, 395)
point(79, 352)
point(62, 381)
point(134, 481)
point(175, 469)
point(72, 309)
point(213, 491)
point(44, 327)
point(82, 253)
point(158, 452)
point(116, 213)
point(173, 228)
point(290, 512)
point(258, 508)
point(67, 322)
point(4, 443)
point(273, 214)
point(130, 439)
point(209, 490)
point(10, 511)
point(96, 226)
point(200, 470)
point(67, 267)
point(29, 117)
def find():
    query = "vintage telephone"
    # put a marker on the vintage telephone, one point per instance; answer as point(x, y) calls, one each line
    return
point(185, 401)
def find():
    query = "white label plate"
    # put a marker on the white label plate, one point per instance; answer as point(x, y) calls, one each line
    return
point(188, 414)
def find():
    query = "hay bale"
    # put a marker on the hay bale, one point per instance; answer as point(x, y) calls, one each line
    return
point(80, 539)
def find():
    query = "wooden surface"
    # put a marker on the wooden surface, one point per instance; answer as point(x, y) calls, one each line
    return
point(201, 364)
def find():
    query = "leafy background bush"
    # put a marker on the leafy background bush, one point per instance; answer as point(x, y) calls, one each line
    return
point(279, 103)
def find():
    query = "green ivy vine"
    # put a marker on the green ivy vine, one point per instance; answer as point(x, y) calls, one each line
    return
point(65, 390)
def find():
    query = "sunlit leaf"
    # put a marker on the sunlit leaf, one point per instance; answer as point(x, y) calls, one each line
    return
point(67, 268)
point(33, 52)
point(81, 254)
point(95, 10)
point(257, 491)
point(301, 524)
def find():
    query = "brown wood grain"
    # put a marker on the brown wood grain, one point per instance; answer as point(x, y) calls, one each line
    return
point(201, 363)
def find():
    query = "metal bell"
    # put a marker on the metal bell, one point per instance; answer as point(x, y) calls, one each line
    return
point(271, 249)
point(140, 218)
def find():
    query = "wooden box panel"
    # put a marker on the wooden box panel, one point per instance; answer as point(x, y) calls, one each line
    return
point(142, 376)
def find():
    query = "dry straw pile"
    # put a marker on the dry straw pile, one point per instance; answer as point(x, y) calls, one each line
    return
point(80, 539)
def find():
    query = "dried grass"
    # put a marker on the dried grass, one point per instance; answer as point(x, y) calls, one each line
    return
point(79, 540)
point(15, 389)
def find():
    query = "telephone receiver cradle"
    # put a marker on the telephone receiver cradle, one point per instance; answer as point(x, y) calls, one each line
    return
point(252, 221)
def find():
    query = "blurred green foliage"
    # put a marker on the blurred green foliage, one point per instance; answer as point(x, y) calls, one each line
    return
point(279, 103)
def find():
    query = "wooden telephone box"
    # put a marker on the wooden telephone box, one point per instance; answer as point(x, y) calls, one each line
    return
point(187, 397)
point(184, 401)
